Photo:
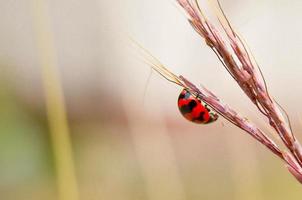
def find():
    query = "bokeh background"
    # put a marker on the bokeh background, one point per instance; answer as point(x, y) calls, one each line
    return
point(125, 138)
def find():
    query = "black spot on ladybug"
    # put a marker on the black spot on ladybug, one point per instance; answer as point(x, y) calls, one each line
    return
point(200, 117)
point(188, 108)
point(185, 109)
point(181, 96)
point(192, 104)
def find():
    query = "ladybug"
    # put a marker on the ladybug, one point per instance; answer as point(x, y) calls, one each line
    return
point(194, 110)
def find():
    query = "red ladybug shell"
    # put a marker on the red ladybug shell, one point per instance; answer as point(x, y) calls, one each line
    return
point(194, 110)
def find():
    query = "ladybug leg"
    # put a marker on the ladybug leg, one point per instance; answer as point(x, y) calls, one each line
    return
point(207, 107)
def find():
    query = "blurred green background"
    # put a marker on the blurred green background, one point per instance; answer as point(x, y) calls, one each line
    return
point(123, 140)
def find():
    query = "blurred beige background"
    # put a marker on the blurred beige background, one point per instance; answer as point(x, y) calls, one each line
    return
point(129, 141)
